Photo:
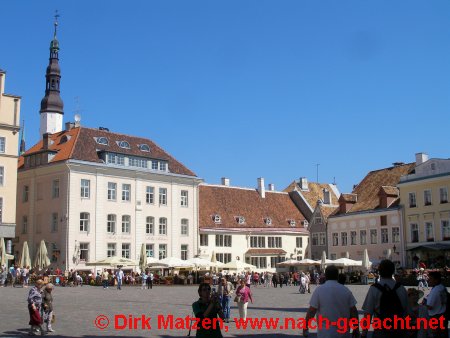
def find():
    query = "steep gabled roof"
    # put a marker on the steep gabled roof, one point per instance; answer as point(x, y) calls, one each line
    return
point(230, 203)
point(314, 193)
point(80, 143)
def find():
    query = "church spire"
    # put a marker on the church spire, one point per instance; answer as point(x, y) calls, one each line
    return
point(22, 140)
point(52, 104)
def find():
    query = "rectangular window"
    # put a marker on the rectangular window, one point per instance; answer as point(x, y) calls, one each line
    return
point(25, 193)
point(223, 240)
point(414, 232)
point(2, 145)
point(343, 238)
point(223, 257)
point(275, 260)
point(149, 195)
point(2, 176)
point(184, 252)
point(363, 237)
point(112, 191)
point(257, 242)
point(443, 195)
point(429, 233)
point(150, 225)
point(126, 192)
point(84, 221)
point(155, 165)
point(84, 252)
point(24, 224)
point(184, 198)
point(445, 224)
point(275, 242)
point(111, 251)
point(55, 189)
point(184, 227)
point(163, 226)
point(150, 250)
point(373, 236)
point(162, 196)
point(126, 250)
point(54, 227)
point(352, 237)
point(427, 197)
point(335, 237)
point(315, 239)
point(383, 220)
point(162, 166)
point(85, 188)
point(396, 235)
point(126, 224)
point(259, 262)
point(384, 235)
point(162, 251)
point(203, 240)
point(111, 224)
point(412, 199)
point(322, 238)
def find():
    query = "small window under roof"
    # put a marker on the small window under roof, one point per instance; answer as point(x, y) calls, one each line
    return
point(124, 144)
point(144, 147)
point(102, 140)
point(64, 139)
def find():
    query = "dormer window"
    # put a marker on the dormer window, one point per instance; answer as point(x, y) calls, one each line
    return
point(433, 166)
point(305, 223)
point(241, 219)
point(124, 144)
point(268, 221)
point(64, 139)
point(326, 196)
point(217, 219)
point(102, 140)
point(292, 222)
point(144, 147)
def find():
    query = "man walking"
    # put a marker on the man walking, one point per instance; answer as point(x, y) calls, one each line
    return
point(331, 302)
point(225, 290)
point(119, 276)
point(105, 277)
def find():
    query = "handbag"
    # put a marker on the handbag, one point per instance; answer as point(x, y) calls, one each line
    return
point(237, 299)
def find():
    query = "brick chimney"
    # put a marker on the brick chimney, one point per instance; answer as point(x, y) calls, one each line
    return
point(346, 202)
point(261, 187)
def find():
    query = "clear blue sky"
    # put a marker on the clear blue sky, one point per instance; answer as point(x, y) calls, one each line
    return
point(246, 89)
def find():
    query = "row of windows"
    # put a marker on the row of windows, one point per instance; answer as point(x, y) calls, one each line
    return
point(122, 144)
point(429, 231)
point(255, 241)
point(2, 145)
point(427, 197)
point(395, 233)
point(138, 162)
point(318, 238)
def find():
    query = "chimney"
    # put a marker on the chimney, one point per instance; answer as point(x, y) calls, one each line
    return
point(261, 187)
point(303, 183)
point(70, 125)
point(387, 195)
point(271, 187)
point(225, 181)
point(45, 141)
point(421, 158)
point(346, 202)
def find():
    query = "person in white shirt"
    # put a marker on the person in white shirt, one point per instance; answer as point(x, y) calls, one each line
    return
point(119, 276)
point(436, 303)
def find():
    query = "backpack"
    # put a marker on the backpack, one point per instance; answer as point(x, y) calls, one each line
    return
point(447, 306)
point(390, 304)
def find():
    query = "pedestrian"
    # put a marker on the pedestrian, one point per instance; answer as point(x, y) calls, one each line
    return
point(34, 308)
point(150, 278)
point(243, 294)
point(436, 303)
point(119, 276)
point(105, 278)
point(25, 276)
point(415, 311)
point(385, 300)
point(47, 302)
point(333, 301)
point(12, 272)
point(275, 280)
point(281, 279)
point(207, 307)
point(225, 292)
point(143, 280)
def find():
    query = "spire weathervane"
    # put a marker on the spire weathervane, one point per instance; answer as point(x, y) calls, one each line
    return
point(56, 22)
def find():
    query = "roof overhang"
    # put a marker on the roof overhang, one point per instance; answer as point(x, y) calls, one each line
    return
point(434, 246)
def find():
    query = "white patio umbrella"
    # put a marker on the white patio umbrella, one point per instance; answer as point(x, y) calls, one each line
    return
point(307, 261)
point(41, 260)
point(113, 261)
point(2, 252)
point(25, 259)
point(173, 262)
point(203, 263)
point(365, 261)
point(289, 262)
point(238, 265)
point(151, 260)
point(346, 262)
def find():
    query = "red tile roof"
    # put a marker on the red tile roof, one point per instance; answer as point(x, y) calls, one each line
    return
point(314, 193)
point(81, 145)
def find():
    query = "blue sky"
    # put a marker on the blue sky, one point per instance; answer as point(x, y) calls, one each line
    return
point(246, 89)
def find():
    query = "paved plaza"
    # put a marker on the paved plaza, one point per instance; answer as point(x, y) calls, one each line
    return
point(78, 308)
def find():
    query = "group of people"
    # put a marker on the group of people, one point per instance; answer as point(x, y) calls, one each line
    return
point(15, 275)
point(40, 308)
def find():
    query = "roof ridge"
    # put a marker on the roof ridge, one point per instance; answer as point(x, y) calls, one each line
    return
point(75, 142)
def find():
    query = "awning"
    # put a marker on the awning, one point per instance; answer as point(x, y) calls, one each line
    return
point(265, 252)
point(435, 246)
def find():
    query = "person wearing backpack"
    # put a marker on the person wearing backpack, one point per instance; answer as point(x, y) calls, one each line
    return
point(436, 302)
point(386, 299)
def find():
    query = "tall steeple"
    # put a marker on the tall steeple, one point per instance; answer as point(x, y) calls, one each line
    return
point(52, 105)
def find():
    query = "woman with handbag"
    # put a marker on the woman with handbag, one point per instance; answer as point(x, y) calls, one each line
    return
point(243, 294)
point(34, 308)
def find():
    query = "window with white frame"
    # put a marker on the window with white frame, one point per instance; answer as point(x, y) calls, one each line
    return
point(162, 251)
point(150, 195)
point(335, 237)
point(111, 250)
point(55, 189)
point(112, 191)
point(363, 237)
point(184, 227)
point(414, 232)
point(155, 165)
point(445, 225)
point(54, 227)
point(126, 224)
point(2, 175)
point(373, 236)
point(352, 237)
point(84, 252)
point(84, 221)
point(443, 195)
point(322, 238)
point(2, 145)
point(203, 239)
point(24, 224)
point(429, 233)
point(223, 257)
point(395, 235)
point(150, 250)
point(257, 242)
point(275, 260)
point(25, 193)
point(343, 238)
point(427, 197)
point(163, 166)
point(126, 250)
point(223, 240)
point(315, 239)
point(85, 188)
point(150, 225)
point(275, 242)
point(384, 235)
point(184, 252)
point(126, 192)
point(259, 262)
point(184, 198)
point(162, 196)
point(111, 223)
point(163, 226)
point(412, 199)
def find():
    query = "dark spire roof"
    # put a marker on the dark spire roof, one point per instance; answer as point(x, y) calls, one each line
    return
point(52, 100)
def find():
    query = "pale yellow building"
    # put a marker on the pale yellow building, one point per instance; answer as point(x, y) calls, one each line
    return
point(426, 208)
point(9, 138)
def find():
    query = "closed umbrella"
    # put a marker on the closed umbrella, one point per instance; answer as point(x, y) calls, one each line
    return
point(143, 258)
point(25, 259)
point(388, 254)
point(347, 254)
point(365, 261)
point(2, 252)
point(41, 261)
point(76, 253)
point(323, 262)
